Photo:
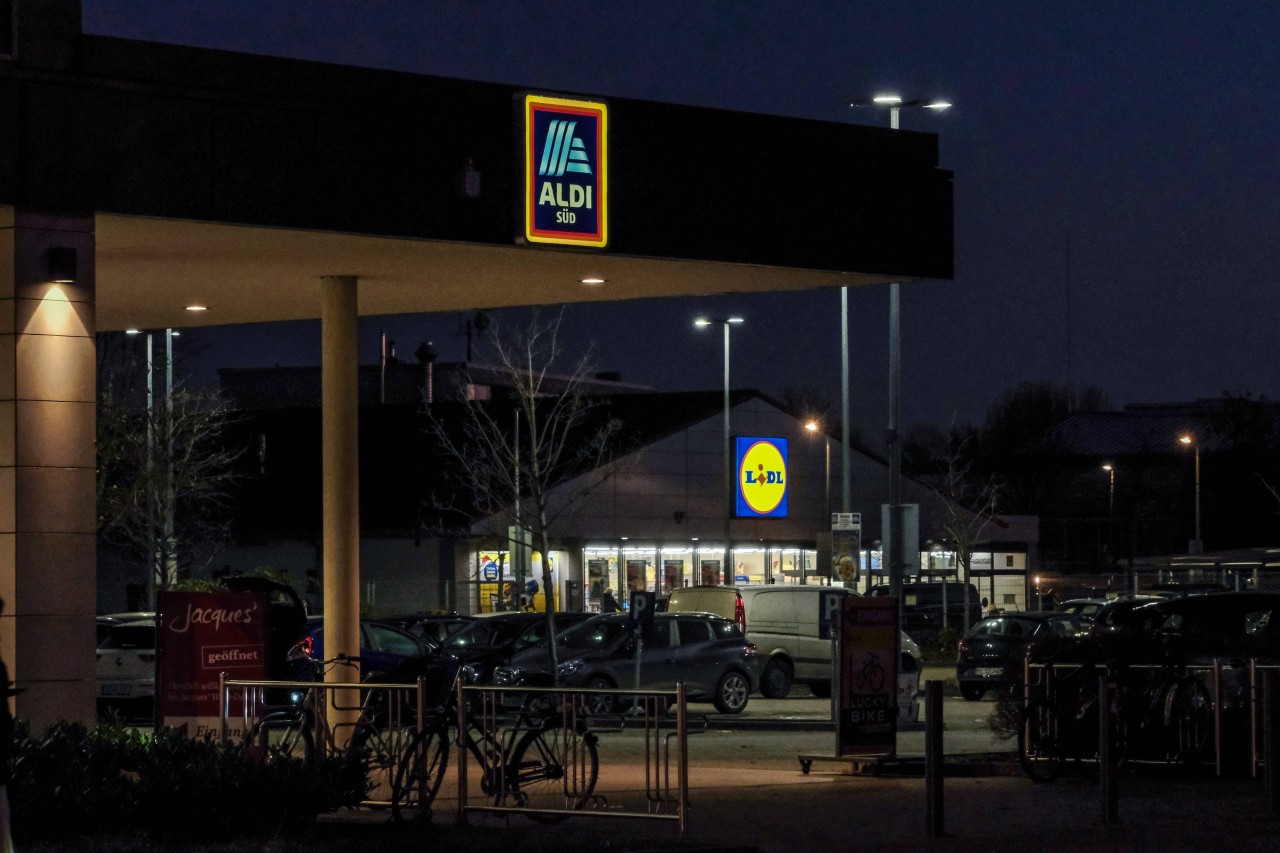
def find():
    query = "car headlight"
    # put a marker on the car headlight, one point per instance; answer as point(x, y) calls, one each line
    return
point(570, 667)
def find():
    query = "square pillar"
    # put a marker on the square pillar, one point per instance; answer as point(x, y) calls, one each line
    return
point(48, 513)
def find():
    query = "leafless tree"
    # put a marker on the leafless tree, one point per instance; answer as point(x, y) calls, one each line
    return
point(164, 474)
point(945, 461)
point(511, 453)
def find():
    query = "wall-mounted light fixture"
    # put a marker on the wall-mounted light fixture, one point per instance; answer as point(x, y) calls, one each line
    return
point(61, 261)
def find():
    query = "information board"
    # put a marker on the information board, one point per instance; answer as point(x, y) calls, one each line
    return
point(867, 716)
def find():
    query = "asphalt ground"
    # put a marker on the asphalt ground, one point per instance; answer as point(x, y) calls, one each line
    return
point(748, 792)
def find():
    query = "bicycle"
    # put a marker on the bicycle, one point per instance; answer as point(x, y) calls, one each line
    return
point(542, 759)
point(1062, 726)
point(378, 738)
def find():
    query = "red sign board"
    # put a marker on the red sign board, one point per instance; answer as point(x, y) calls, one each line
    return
point(867, 723)
point(200, 635)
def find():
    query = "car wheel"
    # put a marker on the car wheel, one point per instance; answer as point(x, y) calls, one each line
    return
point(604, 703)
point(775, 681)
point(973, 692)
point(731, 693)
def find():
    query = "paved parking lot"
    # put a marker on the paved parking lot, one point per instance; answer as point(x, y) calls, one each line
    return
point(747, 792)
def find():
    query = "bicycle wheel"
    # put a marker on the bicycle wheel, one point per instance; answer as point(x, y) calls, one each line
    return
point(419, 774)
point(284, 739)
point(1188, 721)
point(1040, 744)
point(380, 750)
point(552, 768)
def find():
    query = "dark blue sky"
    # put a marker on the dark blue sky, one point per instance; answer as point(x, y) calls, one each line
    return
point(1116, 169)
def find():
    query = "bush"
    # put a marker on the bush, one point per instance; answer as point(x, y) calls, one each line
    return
point(77, 781)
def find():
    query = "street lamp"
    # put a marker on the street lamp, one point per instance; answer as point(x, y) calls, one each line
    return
point(1197, 546)
point(1111, 504)
point(895, 104)
point(703, 322)
point(814, 426)
point(161, 558)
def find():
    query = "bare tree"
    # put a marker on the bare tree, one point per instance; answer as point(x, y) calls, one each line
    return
point(512, 453)
point(164, 474)
point(945, 462)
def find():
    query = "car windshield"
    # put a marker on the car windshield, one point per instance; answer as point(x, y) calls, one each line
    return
point(130, 637)
point(594, 634)
point(484, 633)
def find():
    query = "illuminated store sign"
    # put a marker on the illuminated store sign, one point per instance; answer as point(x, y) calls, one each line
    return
point(762, 477)
point(565, 171)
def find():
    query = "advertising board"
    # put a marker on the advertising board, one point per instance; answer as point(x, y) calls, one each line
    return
point(200, 635)
point(867, 719)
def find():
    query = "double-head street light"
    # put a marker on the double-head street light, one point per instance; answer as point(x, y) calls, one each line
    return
point(703, 322)
point(1197, 547)
point(897, 563)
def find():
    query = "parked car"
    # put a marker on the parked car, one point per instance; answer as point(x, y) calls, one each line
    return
point(993, 653)
point(708, 653)
point(126, 670)
point(929, 605)
point(107, 621)
point(489, 641)
point(783, 622)
point(1084, 608)
point(436, 626)
point(383, 648)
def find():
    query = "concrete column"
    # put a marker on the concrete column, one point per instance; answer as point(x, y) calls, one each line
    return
point(341, 469)
point(48, 514)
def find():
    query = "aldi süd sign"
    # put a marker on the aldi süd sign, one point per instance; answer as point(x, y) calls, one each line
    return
point(565, 171)
point(761, 464)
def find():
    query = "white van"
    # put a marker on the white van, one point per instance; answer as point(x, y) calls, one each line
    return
point(783, 623)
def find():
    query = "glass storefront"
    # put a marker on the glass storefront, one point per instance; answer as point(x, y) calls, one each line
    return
point(662, 568)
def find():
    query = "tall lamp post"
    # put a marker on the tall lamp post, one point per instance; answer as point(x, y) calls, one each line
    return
point(813, 427)
point(162, 560)
point(1197, 547)
point(897, 563)
point(1111, 505)
point(703, 322)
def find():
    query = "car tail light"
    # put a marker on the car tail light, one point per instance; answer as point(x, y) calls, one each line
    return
point(740, 612)
point(145, 658)
point(751, 650)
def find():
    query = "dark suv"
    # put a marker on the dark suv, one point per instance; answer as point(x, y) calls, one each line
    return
point(708, 653)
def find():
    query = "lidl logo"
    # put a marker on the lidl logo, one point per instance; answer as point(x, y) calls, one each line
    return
point(762, 477)
point(566, 171)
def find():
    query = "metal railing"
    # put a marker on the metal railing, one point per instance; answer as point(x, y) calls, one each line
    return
point(1042, 679)
point(498, 722)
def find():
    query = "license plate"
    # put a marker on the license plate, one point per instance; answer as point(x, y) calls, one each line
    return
point(116, 690)
point(989, 672)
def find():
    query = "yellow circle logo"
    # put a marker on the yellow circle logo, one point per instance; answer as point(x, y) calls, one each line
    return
point(762, 479)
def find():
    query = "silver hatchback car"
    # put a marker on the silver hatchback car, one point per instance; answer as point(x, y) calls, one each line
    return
point(126, 670)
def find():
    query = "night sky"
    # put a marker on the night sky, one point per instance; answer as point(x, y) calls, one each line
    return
point(1117, 174)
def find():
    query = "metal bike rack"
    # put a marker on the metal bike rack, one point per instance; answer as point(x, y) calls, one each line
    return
point(663, 800)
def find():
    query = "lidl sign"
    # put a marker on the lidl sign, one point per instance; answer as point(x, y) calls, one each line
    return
point(565, 171)
point(762, 477)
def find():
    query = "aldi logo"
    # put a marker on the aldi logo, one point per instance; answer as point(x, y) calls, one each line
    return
point(565, 171)
point(762, 478)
